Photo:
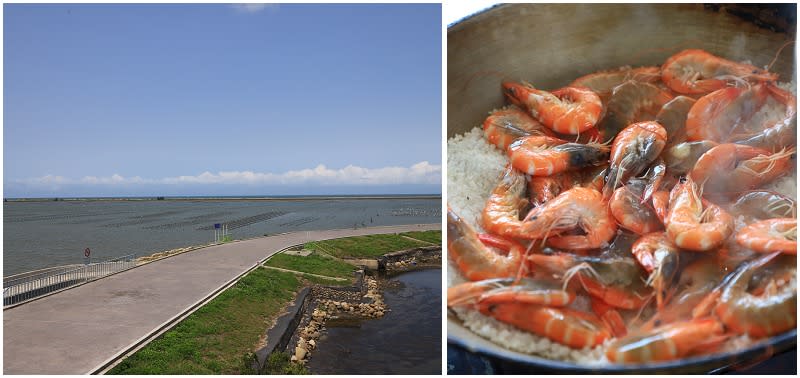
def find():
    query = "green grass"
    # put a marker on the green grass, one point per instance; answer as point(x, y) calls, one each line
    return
point(364, 246)
point(432, 236)
point(219, 336)
point(279, 363)
point(325, 281)
point(314, 263)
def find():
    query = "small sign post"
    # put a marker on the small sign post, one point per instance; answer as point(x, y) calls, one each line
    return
point(216, 231)
point(86, 253)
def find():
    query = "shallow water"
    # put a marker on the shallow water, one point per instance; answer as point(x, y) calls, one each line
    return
point(42, 234)
point(408, 340)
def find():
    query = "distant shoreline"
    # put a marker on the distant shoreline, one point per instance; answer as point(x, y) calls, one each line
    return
point(230, 198)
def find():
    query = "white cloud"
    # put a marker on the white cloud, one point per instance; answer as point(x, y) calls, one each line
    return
point(420, 173)
point(253, 7)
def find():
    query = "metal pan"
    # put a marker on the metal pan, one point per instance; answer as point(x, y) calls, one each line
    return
point(552, 44)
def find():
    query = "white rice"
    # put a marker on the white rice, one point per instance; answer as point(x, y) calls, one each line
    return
point(473, 168)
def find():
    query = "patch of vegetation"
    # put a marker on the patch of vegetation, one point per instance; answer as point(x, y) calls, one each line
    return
point(219, 338)
point(315, 263)
point(324, 281)
point(432, 236)
point(215, 338)
point(364, 246)
point(279, 363)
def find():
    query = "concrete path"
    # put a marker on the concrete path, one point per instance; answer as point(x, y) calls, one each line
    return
point(76, 331)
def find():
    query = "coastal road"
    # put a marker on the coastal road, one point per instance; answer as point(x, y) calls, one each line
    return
point(76, 331)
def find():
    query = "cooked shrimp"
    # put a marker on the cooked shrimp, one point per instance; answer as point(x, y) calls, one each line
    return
point(633, 215)
point(633, 296)
point(501, 215)
point(661, 204)
point(603, 82)
point(631, 102)
point(569, 327)
point(610, 316)
point(633, 150)
point(693, 226)
point(771, 235)
point(616, 280)
point(763, 204)
point(745, 168)
point(782, 133)
point(474, 260)
point(695, 282)
point(654, 176)
point(544, 188)
point(682, 157)
point(509, 124)
point(761, 116)
point(758, 316)
point(672, 117)
point(568, 110)
point(545, 156)
point(577, 208)
point(668, 342)
point(698, 72)
point(620, 270)
point(659, 257)
point(505, 290)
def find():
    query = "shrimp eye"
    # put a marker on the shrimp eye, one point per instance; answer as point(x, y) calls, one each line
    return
point(657, 322)
point(683, 180)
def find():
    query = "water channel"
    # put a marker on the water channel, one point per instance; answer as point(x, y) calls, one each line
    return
point(408, 340)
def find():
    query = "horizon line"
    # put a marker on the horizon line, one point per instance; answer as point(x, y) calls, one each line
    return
point(225, 197)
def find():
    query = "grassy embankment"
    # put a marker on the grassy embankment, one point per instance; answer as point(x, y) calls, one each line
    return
point(432, 236)
point(219, 338)
point(373, 245)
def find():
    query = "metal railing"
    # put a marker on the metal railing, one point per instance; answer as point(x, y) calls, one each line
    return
point(31, 286)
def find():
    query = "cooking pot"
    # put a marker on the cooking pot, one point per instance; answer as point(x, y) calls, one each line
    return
point(549, 45)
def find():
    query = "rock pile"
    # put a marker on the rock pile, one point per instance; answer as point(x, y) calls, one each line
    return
point(375, 308)
point(417, 258)
point(309, 335)
point(371, 305)
point(402, 264)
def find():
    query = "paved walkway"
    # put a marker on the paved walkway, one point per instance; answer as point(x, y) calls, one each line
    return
point(77, 330)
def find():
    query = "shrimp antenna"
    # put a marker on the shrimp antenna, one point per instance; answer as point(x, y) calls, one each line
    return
point(790, 234)
point(571, 272)
point(523, 268)
point(778, 53)
point(641, 310)
point(787, 204)
point(737, 80)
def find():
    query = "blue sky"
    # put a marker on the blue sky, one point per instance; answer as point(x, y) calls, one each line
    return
point(221, 99)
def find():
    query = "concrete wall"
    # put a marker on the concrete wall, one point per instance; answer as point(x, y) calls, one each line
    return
point(278, 336)
point(421, 254)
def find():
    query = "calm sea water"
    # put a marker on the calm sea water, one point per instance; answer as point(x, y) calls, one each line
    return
point(43, 234)
point(407, 340)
